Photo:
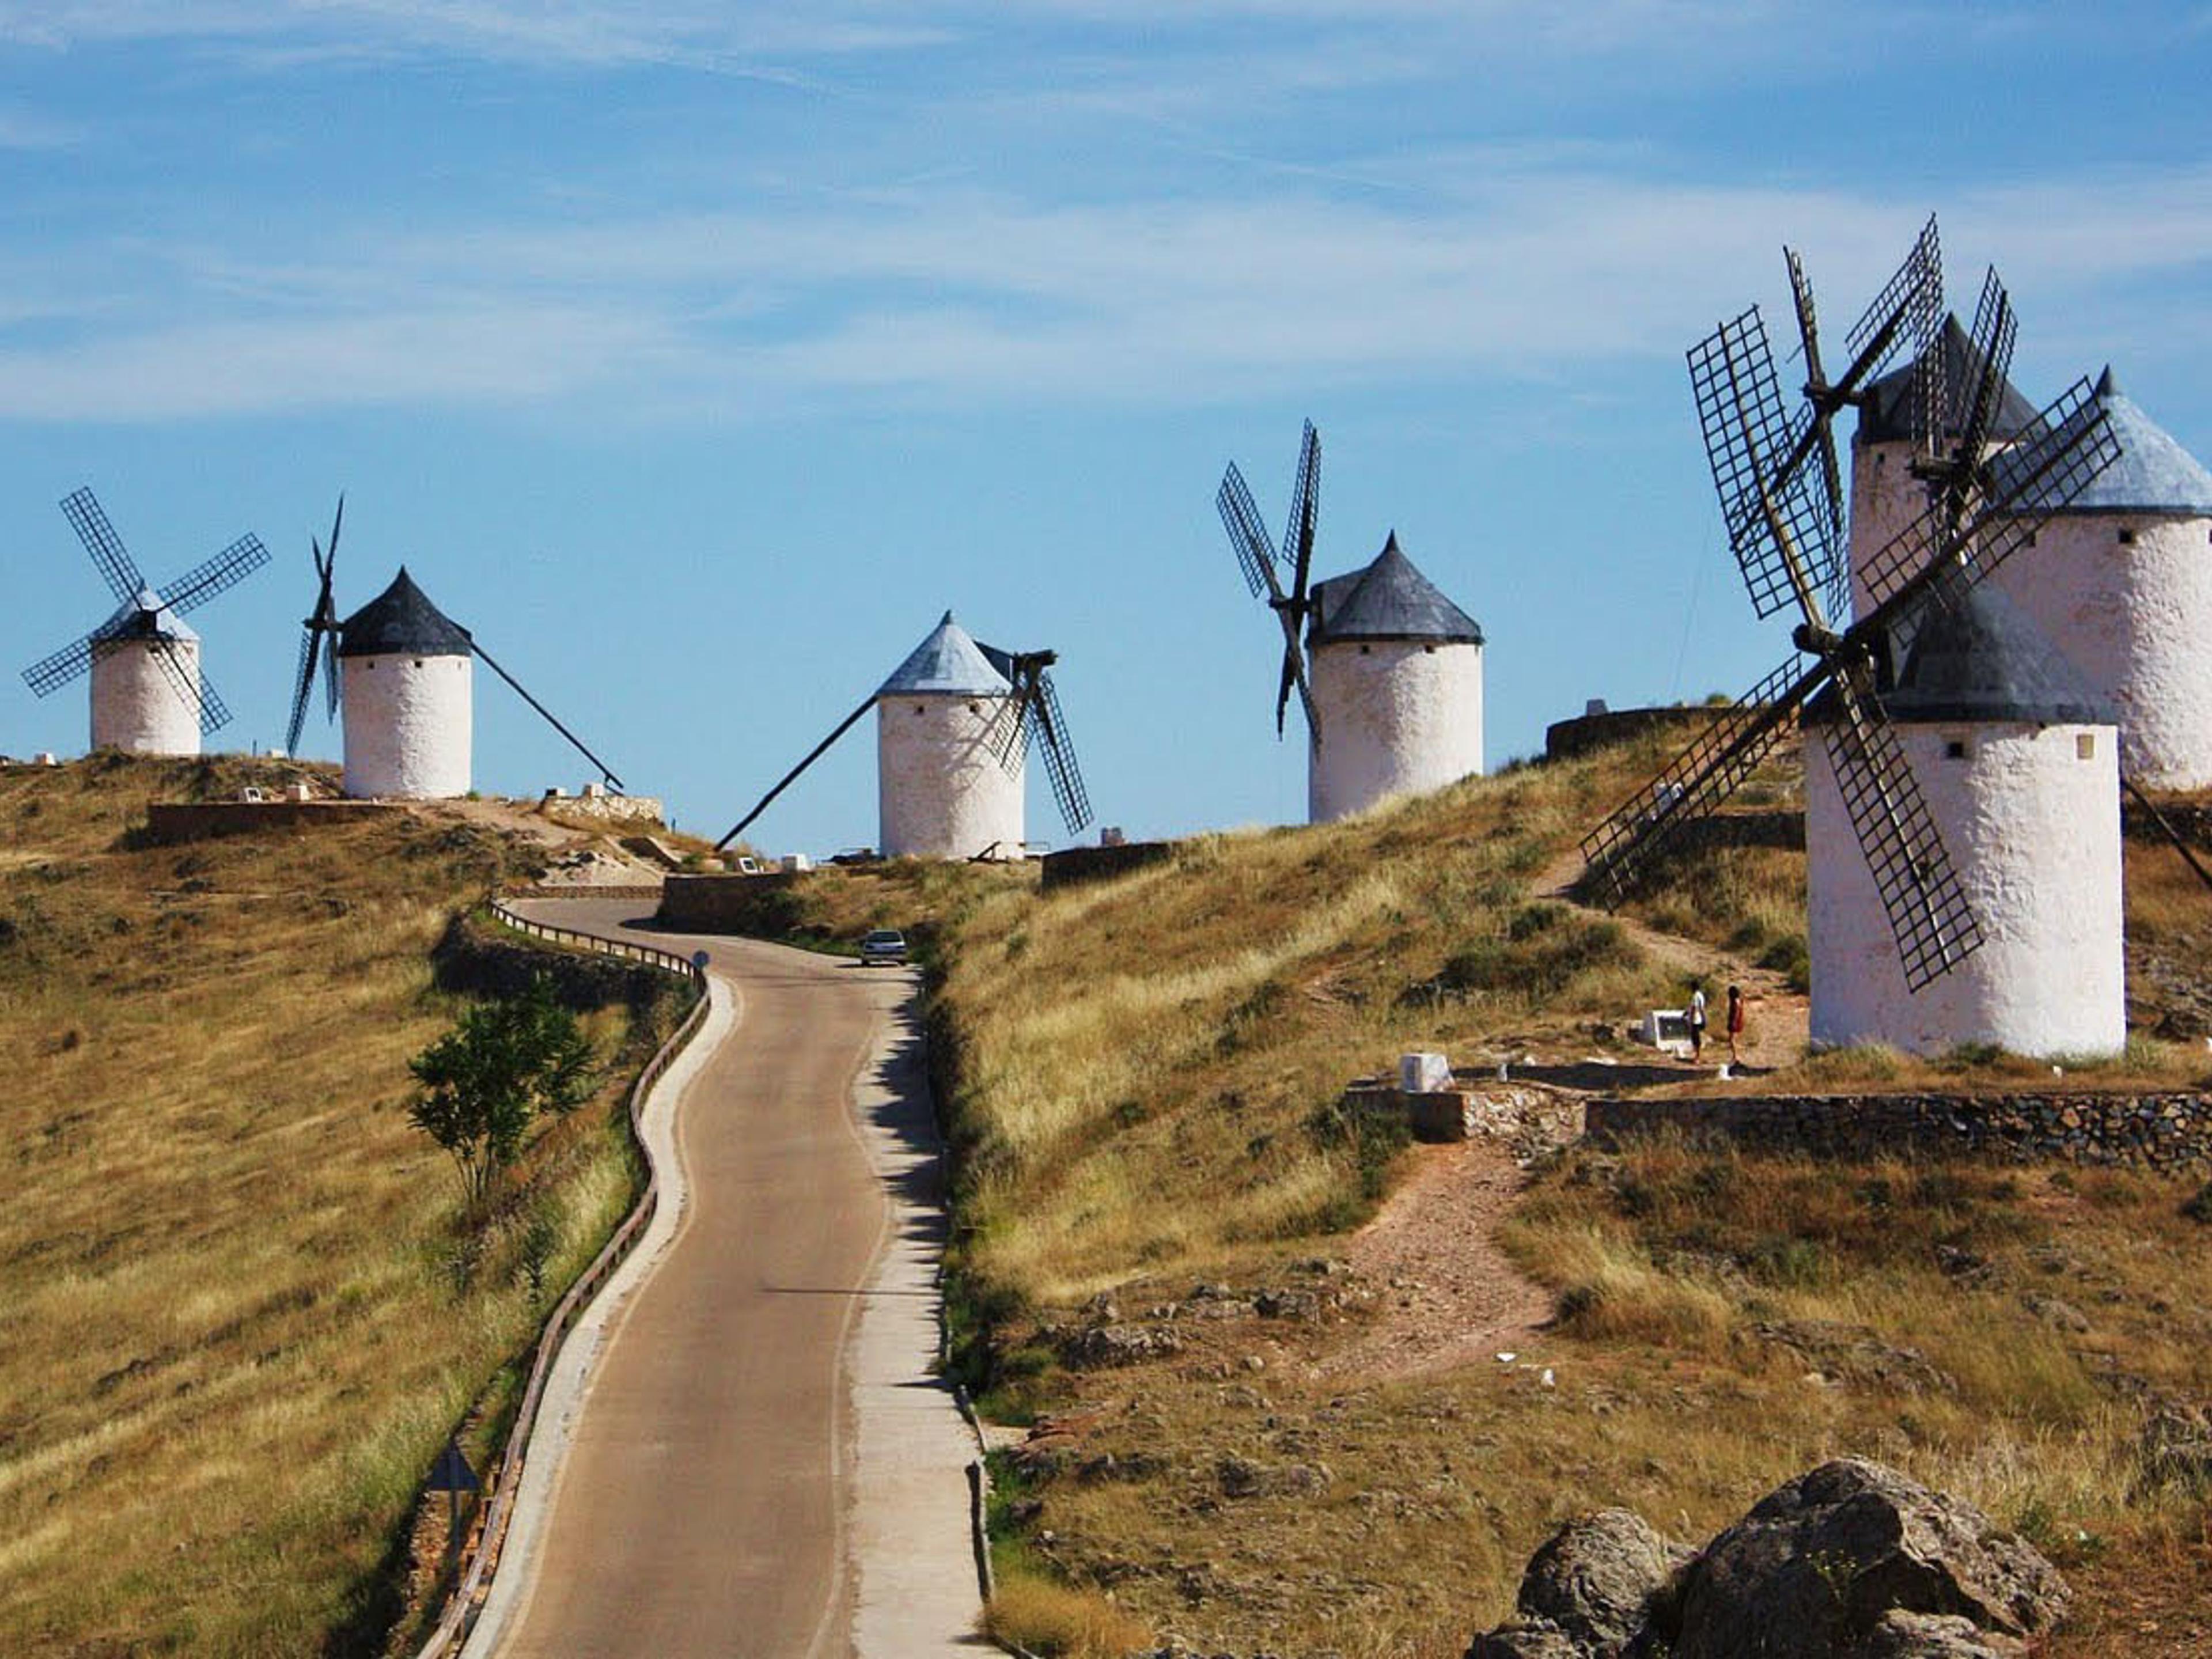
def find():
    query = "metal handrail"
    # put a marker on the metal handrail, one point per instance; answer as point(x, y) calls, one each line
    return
point(484, 1546)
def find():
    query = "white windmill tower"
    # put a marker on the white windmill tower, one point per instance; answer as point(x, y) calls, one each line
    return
point(1392, 696)
point(941, 791)
point(2018, 761)
point(1934, 871)
point(149, 694)
point(405, 681)
point(406, 684)
point(954, 724)
point(2120, 578)
point(1889, 490)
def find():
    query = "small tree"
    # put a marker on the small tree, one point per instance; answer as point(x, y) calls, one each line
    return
point(488, 1078)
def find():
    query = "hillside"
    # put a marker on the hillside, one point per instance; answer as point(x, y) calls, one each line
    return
point(239, 1309)
point(1299, 1389)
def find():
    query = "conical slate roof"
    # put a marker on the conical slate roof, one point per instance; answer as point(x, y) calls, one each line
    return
point(1389, 600)
point(2154, 476)
point(948, 663)
point(1981, 659)
point(146, 618)
point(401, 621)
point(1886, 413)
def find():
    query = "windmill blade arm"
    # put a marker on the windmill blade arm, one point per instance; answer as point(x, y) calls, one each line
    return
point(1622, 851)
point(1920, 893)
point(198, 694)
point(331, 692)
point(1909, 306)
point(303, 685)
point(1778, 528)
point(227, 569)
point(1996, 331)
point(1294, 677)
point(1049, 727)
point(1256, 555)
point(2059, 455)
point(113, 561)
point(574, 741)
point(1011, 725)
point(215, 713)
point(792, 777)
point(1305, 513)
point(51, 673)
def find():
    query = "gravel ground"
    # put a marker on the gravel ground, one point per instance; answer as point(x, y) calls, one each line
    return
point(1452, 1298)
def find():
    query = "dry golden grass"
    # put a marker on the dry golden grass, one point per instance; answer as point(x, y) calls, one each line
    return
point(1056, 1622)
point(237, 1318)
point(1145, 1061)
point(1144, 1069)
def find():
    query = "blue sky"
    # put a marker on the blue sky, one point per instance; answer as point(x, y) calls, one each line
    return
point(698, 358)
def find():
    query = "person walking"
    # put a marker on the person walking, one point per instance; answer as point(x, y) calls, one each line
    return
point(1734, 1023)
point(1697, 1023)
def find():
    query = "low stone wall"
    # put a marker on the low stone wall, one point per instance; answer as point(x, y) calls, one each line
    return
point(484, 960)
point(2166, 1132)
point(764, 905)
point(168, 823)
point(588, 811)
point(1072, 865)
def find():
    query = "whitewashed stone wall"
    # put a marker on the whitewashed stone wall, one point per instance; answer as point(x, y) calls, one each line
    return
point(941, 791)
point(2133, 618)
point(138, 706)
point(2033, 830)
point(409, 726)
point(1397, 717)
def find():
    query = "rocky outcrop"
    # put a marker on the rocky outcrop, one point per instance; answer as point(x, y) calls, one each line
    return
point(1590, 1592)
point(1850, 1561)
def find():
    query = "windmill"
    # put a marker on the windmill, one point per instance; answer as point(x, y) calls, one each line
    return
point(1784, 520)
point(1257, 556)
point(957, 721)
point(1381, 661)
point(408, 695)
point(318, 640)
point(148, 696)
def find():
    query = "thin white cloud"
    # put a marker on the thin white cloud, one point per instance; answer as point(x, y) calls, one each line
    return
point(948, 295)
point(558, 32)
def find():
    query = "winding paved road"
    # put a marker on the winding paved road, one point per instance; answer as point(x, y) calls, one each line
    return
point(707, 1501)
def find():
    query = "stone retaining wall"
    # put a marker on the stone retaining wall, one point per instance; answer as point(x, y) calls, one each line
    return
point(2165, 1132)
point(764, 905)
point(169, 823)
point(1072, 865)
point(484, 960)
point(589, 811)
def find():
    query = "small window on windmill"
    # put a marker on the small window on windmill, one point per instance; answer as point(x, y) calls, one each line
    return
point(418, 662)
point(1955, 749)
point(2127, 535)
point(1366, 650)
point(1428, 651)
point(2085, 745)
point(917, 708)
point(974, 708)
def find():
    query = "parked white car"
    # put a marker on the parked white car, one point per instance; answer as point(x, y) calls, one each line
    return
point(886, 945)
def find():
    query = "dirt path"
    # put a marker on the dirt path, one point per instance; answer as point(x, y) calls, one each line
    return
point(1778, 1020)
point(1453, 1296)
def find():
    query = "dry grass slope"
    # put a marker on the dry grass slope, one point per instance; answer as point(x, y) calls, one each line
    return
point(237, 1317)
point(1143, 1072)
